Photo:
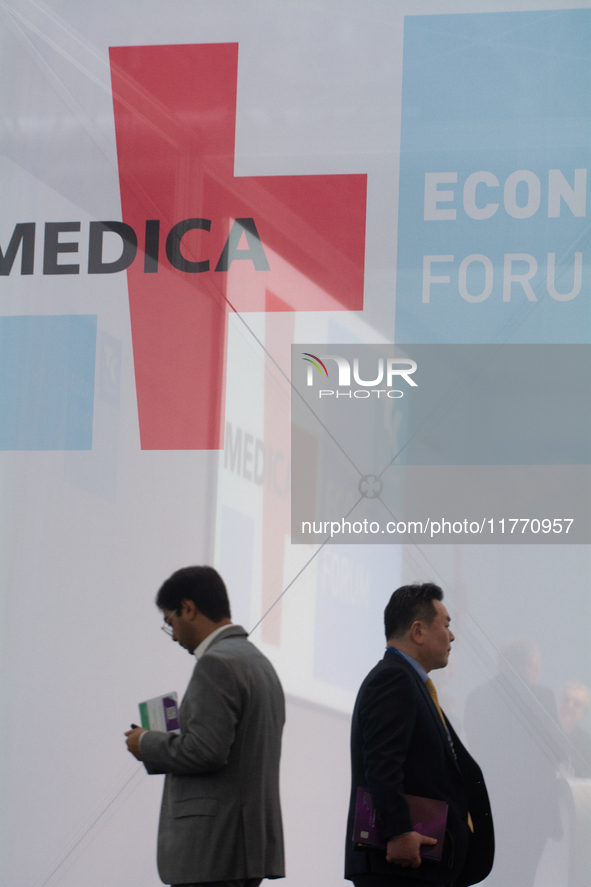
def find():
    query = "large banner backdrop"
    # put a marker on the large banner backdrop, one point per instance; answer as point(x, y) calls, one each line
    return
point(211, 209)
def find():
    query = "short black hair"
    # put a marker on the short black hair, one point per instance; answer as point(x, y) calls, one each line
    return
point(202, 585)
point(409, 603)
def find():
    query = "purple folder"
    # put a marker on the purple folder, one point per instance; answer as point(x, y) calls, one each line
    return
point(428, 816)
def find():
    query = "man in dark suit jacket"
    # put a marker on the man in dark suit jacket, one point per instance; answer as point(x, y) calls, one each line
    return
point(402, 744)
point(220, 821)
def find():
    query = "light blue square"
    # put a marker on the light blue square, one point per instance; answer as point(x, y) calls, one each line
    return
point(236, 561)
point(47, 382)
point(499, 93)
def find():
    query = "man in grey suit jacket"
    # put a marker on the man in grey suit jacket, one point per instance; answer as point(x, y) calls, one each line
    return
point(220, 821)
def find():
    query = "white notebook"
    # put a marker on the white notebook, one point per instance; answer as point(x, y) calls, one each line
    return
point(161, 713)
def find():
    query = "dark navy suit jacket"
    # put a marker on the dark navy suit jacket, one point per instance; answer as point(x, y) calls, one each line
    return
point(399, 746)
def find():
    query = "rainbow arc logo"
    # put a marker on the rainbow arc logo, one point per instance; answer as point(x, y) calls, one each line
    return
point(315, 361)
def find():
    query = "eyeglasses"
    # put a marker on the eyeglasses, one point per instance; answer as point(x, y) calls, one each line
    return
point(168, 629)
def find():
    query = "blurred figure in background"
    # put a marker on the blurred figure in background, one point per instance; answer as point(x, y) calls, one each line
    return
point(573, 704)
point(510, 723)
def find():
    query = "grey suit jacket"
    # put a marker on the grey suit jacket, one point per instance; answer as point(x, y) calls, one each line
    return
point(220, 817)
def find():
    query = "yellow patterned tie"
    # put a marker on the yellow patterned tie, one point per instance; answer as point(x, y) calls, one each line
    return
point(433, 694)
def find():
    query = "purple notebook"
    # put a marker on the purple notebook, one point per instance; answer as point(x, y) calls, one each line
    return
point(428, 816)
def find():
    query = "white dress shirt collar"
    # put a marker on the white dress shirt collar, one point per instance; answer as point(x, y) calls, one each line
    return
point(201, 649)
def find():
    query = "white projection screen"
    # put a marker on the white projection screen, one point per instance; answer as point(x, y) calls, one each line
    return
point(200, 200)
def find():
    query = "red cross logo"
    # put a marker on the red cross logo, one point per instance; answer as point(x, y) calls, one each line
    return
point(213, 242)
